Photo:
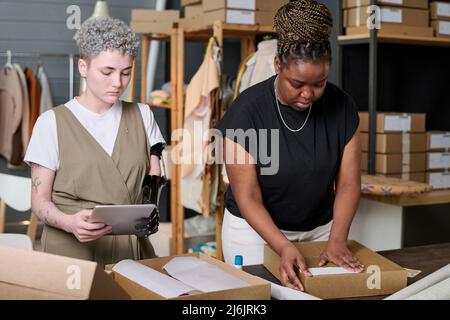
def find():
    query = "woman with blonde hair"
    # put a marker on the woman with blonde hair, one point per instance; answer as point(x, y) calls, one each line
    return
point(95, 150)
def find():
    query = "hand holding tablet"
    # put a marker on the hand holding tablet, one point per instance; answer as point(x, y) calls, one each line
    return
point(125, 219)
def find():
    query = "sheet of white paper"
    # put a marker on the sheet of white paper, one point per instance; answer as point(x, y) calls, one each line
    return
point(285, 293)
point(152, 279)
point(328, 270)
point(202, 275)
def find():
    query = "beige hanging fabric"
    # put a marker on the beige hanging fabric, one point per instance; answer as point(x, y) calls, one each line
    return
point(11, 112)
point(260, 66)
point(199, 106)
point(211, 173)
point(25, 125)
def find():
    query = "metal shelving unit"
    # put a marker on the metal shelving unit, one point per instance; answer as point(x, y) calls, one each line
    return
point(372, 38)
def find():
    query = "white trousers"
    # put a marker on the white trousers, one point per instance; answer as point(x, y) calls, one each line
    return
point(239, 238)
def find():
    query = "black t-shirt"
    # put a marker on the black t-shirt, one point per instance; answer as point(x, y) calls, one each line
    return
point(297, 189)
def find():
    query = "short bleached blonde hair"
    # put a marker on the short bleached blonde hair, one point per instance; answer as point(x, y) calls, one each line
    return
point(105, 34)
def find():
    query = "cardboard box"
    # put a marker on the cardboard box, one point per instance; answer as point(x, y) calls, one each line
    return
point(392, 277)
point(192, 23)
point(34, 275)
point(394, 122)
point(441, 28)
point(409, 176)
point(440, 10)
point(189, 2)
point(153, 21)
point(155, 15)
point(439, 180)
point(423, 4)
point(230, 16)
point(193, 11)
point(356, 17)
point(438, 140)
point(399, 162)
point(262, 5)
point(258, 289)
point(395, 142)
point(438, 160)
point(363, 121)
point(387, 29)
point(151, 27)
point(265, 18)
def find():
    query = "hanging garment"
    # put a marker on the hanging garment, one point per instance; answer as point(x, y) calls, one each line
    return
point(198, 109)
point(260, 66)
point(241, 71)
point(210, 177)
point(46, 102)
point(25, 125)
point(11, 109)
point(34, 94)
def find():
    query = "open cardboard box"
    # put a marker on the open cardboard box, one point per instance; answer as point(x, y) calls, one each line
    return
point(392, 277)
point(258, 289)
point(33, 275)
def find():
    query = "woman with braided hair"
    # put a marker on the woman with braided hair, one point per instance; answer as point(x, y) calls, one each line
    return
point(314, 138)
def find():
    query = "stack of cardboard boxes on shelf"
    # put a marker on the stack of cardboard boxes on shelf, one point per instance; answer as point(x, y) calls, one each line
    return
point(400, 145)
point(438, 159)
point(422, 18)
point(440, 18)
point(403, 17)
point(198, 13)
point(403, 149)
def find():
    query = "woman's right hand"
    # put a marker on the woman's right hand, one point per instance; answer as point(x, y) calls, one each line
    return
point(86, 231)
point(291, 259)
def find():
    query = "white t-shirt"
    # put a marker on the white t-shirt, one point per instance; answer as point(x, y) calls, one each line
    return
point(43, 146)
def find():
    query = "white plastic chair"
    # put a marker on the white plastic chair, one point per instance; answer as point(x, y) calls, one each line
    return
point(15, 240)
point(15, 192)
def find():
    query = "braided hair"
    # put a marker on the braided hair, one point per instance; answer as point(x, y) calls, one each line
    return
point(303, 28)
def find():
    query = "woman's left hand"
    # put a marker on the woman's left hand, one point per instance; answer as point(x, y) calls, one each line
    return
point(337, 252)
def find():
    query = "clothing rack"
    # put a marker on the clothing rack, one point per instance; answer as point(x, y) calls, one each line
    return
point(70, 56)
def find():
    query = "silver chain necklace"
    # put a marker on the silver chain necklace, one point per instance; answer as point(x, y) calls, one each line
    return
point(281, 116)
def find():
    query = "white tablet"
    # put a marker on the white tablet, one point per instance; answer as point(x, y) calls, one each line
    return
point(122, 218)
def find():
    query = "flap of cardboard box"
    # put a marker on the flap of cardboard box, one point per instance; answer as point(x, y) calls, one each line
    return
point(38, 275)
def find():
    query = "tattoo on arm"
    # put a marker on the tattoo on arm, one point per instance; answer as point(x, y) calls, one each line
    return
point(35, 182)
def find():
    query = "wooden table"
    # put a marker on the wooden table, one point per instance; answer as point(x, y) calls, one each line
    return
point(425, 258)
point(403, 221)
